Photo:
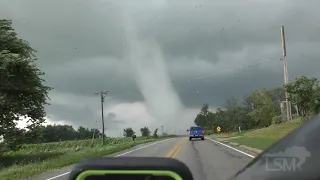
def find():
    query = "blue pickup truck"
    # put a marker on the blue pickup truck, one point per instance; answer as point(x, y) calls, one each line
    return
point(196, 132)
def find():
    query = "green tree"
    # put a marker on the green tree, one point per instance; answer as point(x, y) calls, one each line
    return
point(201, 119)
point(257, 110)
point(34, 135)
point(278, 94)
point(128, 132)
point(261, 108)
point(231, 118)
point(304, 92)
point(95, 133)
point(14, 138)
point(84, 133)
point(145, 131)
point(204, 110)
point(265, 109)
point(316, 95)
point(54, 133)
point(155, 133)
point(22, 90)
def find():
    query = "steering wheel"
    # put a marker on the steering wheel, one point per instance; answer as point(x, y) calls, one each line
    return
point(130, 168)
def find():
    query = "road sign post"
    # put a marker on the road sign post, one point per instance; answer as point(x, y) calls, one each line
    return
point(218, 129)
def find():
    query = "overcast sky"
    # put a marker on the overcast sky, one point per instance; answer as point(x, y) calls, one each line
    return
point(161, 59)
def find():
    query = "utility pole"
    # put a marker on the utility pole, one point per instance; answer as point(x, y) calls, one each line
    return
point(285, 72)
point(102, 96)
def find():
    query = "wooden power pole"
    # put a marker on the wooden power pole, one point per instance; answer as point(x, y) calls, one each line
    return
point(102, 96)
point(285, 72)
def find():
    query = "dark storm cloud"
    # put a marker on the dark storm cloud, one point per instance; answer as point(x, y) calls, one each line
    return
point(78, 116)
point(203, 29)
point(111, 116)
point(81, 47)
point(84, 116)
point(67, 30)
point(215, 90)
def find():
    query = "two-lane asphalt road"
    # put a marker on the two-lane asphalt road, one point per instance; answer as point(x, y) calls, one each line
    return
point(207, 160)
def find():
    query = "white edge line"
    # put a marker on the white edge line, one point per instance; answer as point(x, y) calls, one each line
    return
point(230, 147)
point(58, 176)
point(118, 155)
point(142, 147)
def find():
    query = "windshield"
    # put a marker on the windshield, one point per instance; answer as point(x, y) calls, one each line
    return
point(84, 78)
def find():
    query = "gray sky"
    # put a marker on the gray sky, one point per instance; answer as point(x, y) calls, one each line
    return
point(211, 49)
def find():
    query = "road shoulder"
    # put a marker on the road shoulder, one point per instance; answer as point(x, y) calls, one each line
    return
point(252, 151)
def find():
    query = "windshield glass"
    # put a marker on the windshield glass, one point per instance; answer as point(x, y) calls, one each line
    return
point(195, 128)
point(84, 78)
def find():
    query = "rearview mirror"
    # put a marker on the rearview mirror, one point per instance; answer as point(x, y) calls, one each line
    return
point(187, 130)
point(133, 168)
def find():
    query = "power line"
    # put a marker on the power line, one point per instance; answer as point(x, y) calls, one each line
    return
point(228, 70)
point(204, 77)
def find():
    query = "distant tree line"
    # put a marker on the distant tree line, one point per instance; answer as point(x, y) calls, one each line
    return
point(56, 133)
point(145, 132)
point(261, 108)
point(50, 133)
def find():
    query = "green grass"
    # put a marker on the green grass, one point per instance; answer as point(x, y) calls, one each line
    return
point(224, 135)
point(265, 137)
point(254, 142)
point(230, 134)
point(277, 131)
point(32, 160)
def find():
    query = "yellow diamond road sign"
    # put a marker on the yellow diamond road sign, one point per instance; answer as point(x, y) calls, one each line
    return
point(218, 129)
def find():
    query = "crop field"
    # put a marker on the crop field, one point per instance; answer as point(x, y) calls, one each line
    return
point(33, 159)
point(73, 145)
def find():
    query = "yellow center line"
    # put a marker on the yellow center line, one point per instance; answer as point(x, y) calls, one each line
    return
point(171, 152)
point(174, 152)
point(179, 148)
